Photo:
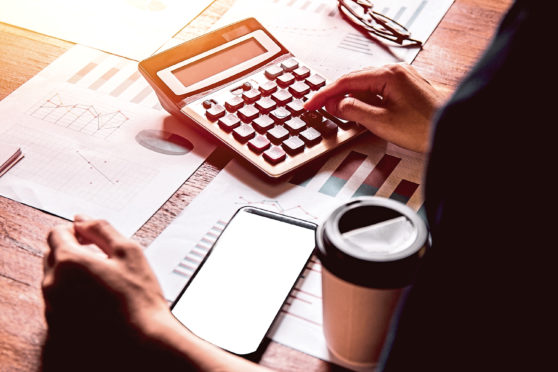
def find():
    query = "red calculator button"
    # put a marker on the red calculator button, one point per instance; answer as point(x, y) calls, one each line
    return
point(234, 103)
point(274, 155)
point(280, 115)
point(263, 123)
point(316, 81)
point(301, 73)
point(285, 80)
point(289, 64)
point(299, 89)
point(251, 96)
point(295, 125)
point(248, 113)
point(215, 112)
point(265, 105)
point(268, 87)
point(272, 72)
point(229, 122)
point(259, 144)
point(282, 97)
point(311, 136)
point(277, 134)
point(293, 145)
point(243, 133)
point(296, 107)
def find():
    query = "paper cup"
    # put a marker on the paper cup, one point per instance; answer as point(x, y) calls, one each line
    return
point(370, 249)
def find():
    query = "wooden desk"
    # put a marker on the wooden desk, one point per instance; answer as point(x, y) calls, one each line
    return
point(447, 56)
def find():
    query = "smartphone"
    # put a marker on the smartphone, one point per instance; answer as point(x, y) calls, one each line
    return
point(240, 287)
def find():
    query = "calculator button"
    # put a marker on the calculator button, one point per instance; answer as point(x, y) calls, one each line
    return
point(274, 155)
point(246, 86)
point(282, 97)
point(268, 87)
point(285, 80)
point(296, 107)
point(259, 144)
point(342, 123)
point(229, 122)
point(263, 123)
point(277, 134)
point(301, 73)
point(327, 128)
point(272, 72)
point(280, 115)
point(244, 132)
point(293, 145)
point(207, 104)
point(265, 105)
point(248, 113)
point(289, 64)
point(295, 125)
point(234, 103)
point(311, 136)
point(312, 118)
point(299, 89)
point(215, 112)
point(251, 96)
point(316, 81)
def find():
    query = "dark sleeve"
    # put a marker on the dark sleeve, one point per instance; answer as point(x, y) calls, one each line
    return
point(479, 299)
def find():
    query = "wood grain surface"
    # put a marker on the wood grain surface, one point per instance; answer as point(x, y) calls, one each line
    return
point(447, 56)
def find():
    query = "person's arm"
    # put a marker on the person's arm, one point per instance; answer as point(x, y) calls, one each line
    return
point(393, 101)
point(106, 311)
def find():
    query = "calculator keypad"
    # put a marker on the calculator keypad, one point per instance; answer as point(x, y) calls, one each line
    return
point(265, 113)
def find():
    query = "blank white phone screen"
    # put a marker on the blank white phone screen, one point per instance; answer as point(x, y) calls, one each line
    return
point(234, 298)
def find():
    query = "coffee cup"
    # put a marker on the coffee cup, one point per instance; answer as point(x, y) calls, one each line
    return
point(370, 249)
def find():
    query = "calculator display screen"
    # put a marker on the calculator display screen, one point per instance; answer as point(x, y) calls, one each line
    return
point(219, 61)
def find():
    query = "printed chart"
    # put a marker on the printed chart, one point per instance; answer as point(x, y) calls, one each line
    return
point(111, 75)
point(83, 118)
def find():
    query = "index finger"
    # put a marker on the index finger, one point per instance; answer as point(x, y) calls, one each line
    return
point(371, 80)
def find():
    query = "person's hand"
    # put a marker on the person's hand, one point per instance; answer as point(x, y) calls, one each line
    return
point(101, 300)
point(394, 102)
point(106, 312)
point(95, 249)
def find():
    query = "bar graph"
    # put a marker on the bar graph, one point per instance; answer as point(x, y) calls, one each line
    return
point(378, 176)
point(341, 175)
point(114, 76)
point(404, 191)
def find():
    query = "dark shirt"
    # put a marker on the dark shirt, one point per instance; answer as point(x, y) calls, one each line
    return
point(480, 299)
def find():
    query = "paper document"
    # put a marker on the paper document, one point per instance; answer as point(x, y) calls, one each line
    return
point(315, 32)
point(131, 28)
point(369, 167)
point(92, 146)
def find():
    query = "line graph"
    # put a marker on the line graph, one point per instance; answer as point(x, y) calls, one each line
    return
point(84, 118)
point(92, 166)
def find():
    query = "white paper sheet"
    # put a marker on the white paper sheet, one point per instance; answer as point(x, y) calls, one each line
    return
point(315, 32)
point(130, 28)
point(177, 252)
point(90, 151)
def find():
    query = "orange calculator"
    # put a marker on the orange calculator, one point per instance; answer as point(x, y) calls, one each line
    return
point(241, 85)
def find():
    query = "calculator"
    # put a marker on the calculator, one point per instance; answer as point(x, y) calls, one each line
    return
point(246, 89)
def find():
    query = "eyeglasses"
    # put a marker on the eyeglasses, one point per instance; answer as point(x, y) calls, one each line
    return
point(361, 14)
